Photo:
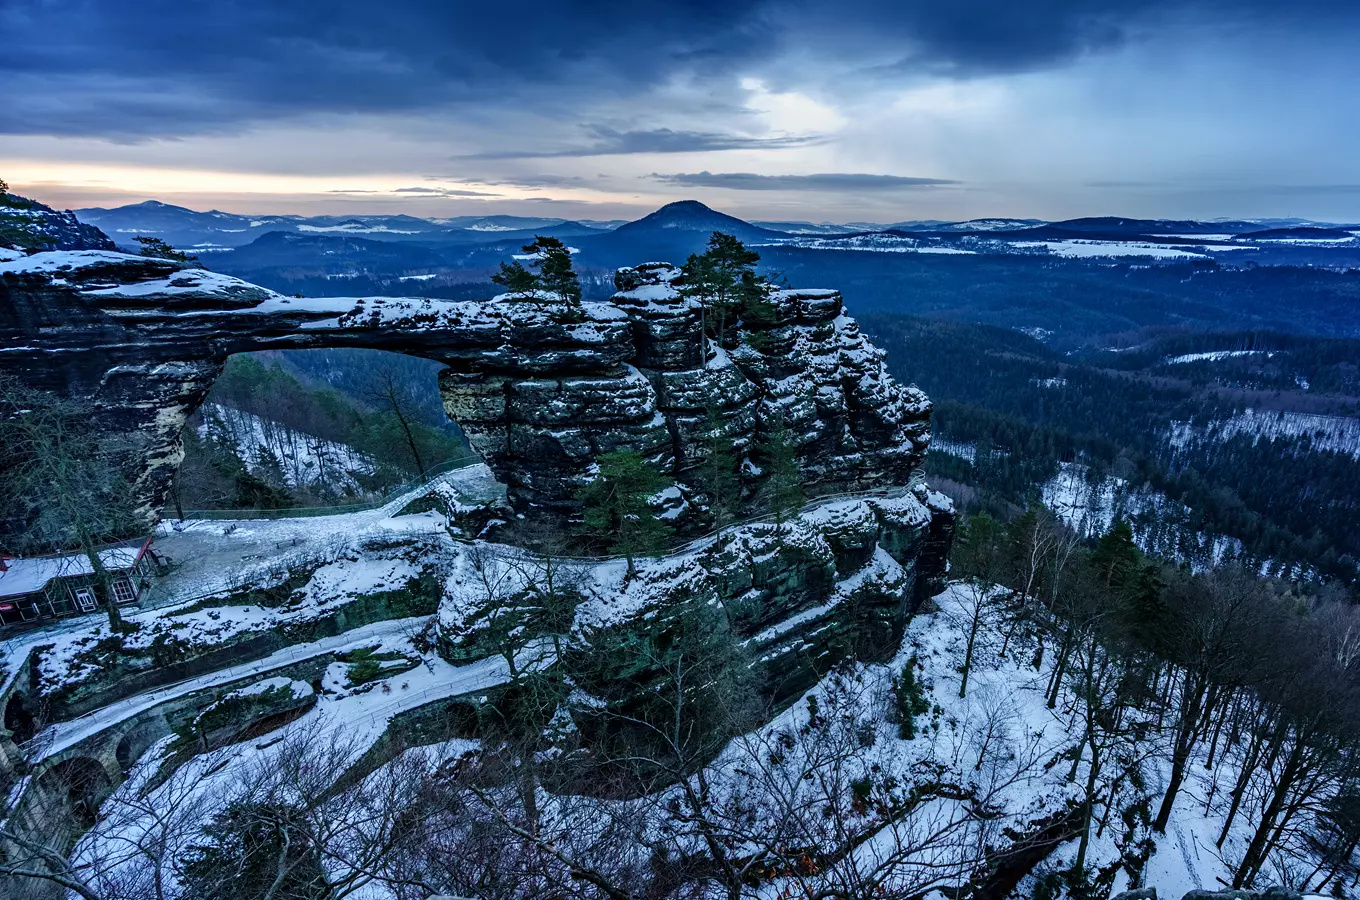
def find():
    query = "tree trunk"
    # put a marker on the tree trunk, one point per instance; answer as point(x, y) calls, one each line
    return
point(1191, 700)
point(1255, 855)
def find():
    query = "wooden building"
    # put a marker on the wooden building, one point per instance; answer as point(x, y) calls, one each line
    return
point(39, 588)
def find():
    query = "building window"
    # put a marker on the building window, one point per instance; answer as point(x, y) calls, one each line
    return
point(85, 601)
point(123, 591)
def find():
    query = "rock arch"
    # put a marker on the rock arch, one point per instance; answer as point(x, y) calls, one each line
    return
point(136, 741)
point(71, 792)
point(540, 396)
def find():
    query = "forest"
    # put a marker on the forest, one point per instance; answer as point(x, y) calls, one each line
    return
point(375, 415)
point(1027, 407)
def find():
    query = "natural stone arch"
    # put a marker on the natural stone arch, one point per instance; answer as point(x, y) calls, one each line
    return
point(540, 395)
point(136, 742)
point(70, 792)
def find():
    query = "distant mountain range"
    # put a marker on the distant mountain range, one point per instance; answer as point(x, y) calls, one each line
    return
point(454, 257)
point(216, 230)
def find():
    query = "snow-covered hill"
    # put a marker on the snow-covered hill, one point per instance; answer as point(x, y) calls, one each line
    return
point(302, 460)
point(1340, 434)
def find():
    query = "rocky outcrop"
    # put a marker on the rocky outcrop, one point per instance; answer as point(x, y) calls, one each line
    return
point(784, 602)
point(539, 395)
point(28, 226)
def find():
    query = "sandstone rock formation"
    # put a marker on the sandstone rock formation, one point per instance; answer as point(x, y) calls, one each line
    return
point(540, 398)
point(27, 225)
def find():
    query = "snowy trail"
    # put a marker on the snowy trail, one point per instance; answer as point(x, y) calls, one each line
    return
point(59, 737)
point(215, 555)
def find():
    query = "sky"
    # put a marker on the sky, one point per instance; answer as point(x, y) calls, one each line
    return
point(853, 110)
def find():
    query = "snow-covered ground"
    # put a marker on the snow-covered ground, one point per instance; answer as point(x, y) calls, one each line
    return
point(1001, 742)
point(1337, 433)
point(1083, 249)
point(304, 460)
point(1160, 525)
point(961, 449)
point(212, 555)
point(877, 243)
point(211, 558)
point(1212, 356)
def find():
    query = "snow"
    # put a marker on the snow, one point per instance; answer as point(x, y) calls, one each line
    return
point(1050, 382)
point(1034, 331)
point(992, 225)
point(1340, 434)
point(418, 277)
point(56, 738)
point(1307, 241)
point(214, 555)
point(304, 459)
point(650, 293)
point(185, 281)
point(1198, 237)
point(1081, 249)
point(24, 576)
point(1160, 526)
point(56, 261)
point(278, 682)
point(528, 256)
point(1213, 356)
point(878, 243)
point(351, 228)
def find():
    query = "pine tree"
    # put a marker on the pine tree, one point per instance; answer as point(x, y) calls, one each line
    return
point(555, 271)
point(516, 279)
point(909, 700)
point(618, 509)
point(555, 275)
point(159, 249)
point(783, 485)
point(254, 851)
point(721, 279)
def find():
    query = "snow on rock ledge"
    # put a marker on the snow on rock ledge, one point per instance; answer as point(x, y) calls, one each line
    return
point(539, 394)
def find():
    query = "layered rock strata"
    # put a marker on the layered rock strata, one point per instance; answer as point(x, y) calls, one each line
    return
point(787, 601)
point(540, 395)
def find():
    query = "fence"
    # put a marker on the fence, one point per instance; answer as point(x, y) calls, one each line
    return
point(300, 512)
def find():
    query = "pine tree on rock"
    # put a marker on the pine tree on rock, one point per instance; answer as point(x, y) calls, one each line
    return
point(516, 279)
point(721, 278)
point(783, 482)
point(158, 249)
point(618, 508)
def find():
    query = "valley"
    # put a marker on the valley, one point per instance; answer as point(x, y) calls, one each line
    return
point(652, 579)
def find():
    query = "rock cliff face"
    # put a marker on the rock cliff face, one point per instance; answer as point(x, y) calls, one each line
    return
point(538, 396)
point(27, 225)
point(786, 602)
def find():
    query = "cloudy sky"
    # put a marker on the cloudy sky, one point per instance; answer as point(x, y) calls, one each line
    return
point(868, 110)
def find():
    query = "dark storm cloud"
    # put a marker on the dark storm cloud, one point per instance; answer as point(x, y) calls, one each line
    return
point(611, 142)
point(826, 181)
point(170, 67)
point(157, 66)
